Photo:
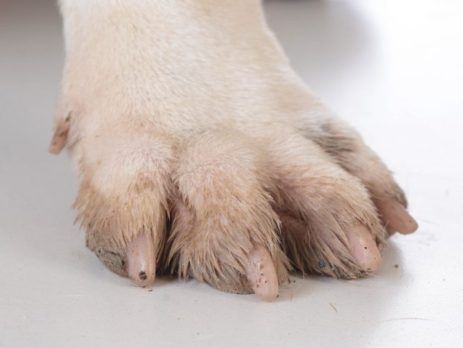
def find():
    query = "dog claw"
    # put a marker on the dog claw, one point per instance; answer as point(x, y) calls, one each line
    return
point(141, 261)
point(262, 275)
point(396, 218)
point(364, 248)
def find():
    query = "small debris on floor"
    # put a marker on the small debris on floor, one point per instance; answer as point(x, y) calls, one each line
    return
point(334, 307)
point(396, 266)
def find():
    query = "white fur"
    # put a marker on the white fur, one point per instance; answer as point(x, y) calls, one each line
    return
point(193, 103)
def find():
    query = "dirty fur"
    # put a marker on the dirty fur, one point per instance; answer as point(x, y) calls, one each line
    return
point(188, 124)
point(223, 210)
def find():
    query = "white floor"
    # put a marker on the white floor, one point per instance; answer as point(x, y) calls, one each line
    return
point(393, 68)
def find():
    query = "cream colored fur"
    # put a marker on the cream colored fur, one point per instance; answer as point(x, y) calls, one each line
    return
point(187, 113)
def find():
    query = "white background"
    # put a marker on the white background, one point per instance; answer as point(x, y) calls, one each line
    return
point(392, 68)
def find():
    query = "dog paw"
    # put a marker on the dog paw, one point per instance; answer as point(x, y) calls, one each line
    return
point(203, 155)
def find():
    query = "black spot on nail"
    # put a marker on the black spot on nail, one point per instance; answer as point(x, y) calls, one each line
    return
point(142, 275)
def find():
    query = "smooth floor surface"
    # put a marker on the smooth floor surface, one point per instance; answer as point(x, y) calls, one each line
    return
point(392, 68)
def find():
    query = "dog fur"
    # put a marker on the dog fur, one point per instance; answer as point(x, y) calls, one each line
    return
point(188, 126)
